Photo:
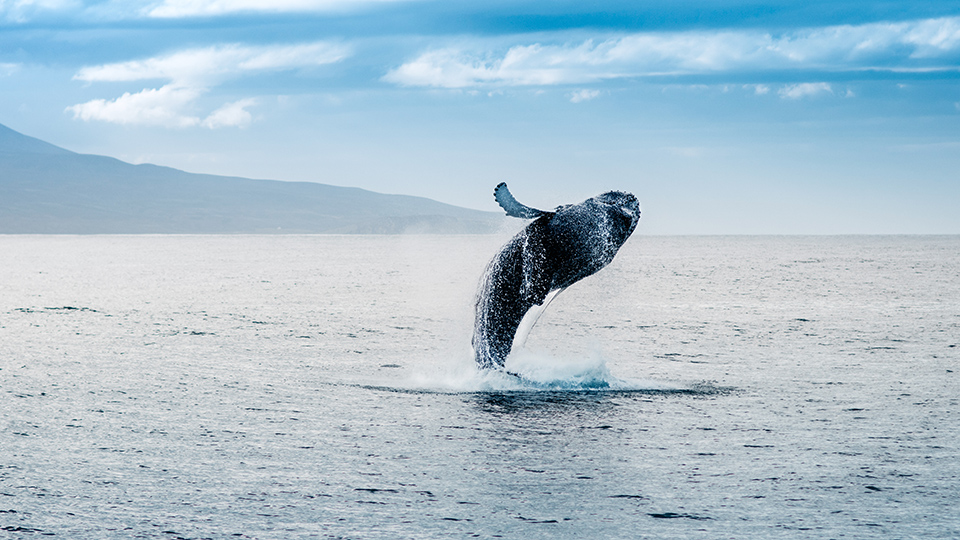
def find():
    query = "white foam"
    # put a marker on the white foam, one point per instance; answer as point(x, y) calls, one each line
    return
point(527, 371)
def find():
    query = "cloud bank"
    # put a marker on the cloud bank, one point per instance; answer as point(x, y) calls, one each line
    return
point(584, 95)
point(191, 74)
point(802, 90)
point(211, 8)
point(8, 68)
point(928, 44)
point(20, 11)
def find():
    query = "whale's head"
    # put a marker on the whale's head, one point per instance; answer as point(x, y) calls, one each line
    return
point(585, 237)
point(623, 211)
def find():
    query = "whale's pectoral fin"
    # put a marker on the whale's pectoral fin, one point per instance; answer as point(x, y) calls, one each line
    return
point(537, 272)
point(512, 207)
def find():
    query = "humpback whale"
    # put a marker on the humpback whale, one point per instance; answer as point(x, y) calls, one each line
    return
point(557, 249)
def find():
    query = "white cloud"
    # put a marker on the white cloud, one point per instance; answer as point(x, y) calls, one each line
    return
point(929, 44)
point(207, 8)
point(758, 89)
point(192, 73)
point(521, 65)
point(445, 68)
point(162, 106)
point(934, 36)
point(802, 90)
point(7, 69)
point(231, 115)
point(20, 11)
point(584, 95)
point(213, 64)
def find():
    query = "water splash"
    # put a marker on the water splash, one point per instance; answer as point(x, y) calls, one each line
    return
point(526, 372)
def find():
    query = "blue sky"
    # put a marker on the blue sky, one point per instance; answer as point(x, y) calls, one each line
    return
point(734, 117)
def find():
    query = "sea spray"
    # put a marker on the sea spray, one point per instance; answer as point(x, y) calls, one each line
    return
point(527, 371)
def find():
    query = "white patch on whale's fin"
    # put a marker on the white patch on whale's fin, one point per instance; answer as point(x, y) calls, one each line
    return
point(512, 207)
point(530, 318)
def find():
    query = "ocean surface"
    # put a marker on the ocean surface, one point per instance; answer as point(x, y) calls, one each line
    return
point(279, 387)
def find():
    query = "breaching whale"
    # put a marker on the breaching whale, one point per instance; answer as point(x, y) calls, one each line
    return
point(554, 251)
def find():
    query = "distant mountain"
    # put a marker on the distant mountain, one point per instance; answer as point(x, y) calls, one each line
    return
point(47, 189)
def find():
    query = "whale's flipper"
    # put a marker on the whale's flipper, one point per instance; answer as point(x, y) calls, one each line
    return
point(514, 208)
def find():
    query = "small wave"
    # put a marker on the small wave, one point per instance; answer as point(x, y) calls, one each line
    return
point(528, 372)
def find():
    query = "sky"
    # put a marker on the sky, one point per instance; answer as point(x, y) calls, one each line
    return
point(723, 117)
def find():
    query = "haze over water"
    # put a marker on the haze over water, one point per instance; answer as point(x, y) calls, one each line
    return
point(322, 387)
